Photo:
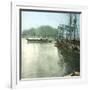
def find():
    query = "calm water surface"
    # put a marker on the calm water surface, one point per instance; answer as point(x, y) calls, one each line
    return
point(41, 60)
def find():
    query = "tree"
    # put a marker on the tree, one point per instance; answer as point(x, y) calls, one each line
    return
point(70, 26)
point(42, 31)
point(75, 26)
point(61, 32)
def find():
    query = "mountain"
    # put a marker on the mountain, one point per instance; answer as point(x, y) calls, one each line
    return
point(42, 31)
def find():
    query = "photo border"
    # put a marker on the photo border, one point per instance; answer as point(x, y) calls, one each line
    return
point(16, 43)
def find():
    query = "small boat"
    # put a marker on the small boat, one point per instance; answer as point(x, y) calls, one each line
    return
point(38, 40)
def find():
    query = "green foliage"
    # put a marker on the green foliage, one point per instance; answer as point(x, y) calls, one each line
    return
point(30, 32)
point(42, 31)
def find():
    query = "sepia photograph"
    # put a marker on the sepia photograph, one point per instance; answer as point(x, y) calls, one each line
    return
point(49, 44)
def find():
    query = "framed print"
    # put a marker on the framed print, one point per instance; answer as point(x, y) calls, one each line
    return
point(47, 43)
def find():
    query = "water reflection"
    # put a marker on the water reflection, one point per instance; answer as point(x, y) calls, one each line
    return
point(41, 60)
point(44, 60)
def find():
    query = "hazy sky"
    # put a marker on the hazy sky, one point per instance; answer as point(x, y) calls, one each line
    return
point(35, 19)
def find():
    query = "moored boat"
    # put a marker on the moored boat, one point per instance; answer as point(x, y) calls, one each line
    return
point(38, 40)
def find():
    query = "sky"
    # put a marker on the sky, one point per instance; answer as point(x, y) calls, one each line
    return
point(33, 19)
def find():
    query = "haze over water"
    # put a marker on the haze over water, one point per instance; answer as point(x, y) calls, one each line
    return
point(41, 60)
